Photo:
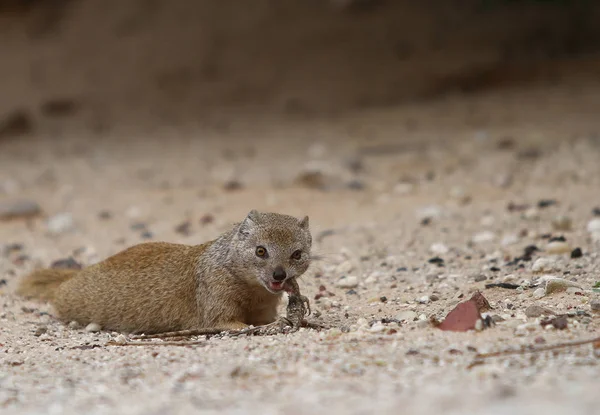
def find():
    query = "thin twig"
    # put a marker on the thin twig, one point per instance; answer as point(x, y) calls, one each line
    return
point(164, 343)
point(538, 349)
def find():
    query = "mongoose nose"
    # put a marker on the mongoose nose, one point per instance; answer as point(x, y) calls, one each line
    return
point(279, 274)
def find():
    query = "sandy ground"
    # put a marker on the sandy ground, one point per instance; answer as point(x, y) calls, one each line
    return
point(459, 162)
point(132, 130)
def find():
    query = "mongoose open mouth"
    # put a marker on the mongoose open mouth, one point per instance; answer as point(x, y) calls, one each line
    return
point(276, 285)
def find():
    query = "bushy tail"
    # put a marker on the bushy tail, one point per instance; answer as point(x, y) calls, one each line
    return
point(43, 283)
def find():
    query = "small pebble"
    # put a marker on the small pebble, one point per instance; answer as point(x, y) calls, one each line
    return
point(535, 311)
point(562, 223)
point(19, 209)
point(40, 330)
point(347, 282)
point(539, 293)
point(434, 297)
point(510, 239)
point(439, 248)
point(424, 299)
point(377, 327)
point(576, 253)
point(593, 226)
point(531, 214)
point(557, 247)
point(73, 325)
point(184, 228)
point(93, 328)
point(560, 322)
point(595, 305)
point(104, 215)
point(60, 223)
point(544, 265)
point(407, 316)
point(482, 237)
point(556, 285)
point(544, 203)
point(121, 339)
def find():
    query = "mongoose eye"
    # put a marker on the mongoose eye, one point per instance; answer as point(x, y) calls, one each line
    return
point(297, 255)
point(261, 251)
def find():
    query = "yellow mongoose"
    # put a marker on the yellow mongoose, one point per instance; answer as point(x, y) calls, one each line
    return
point(229, 283)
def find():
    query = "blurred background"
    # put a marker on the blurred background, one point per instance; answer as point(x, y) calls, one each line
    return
point(102, 63)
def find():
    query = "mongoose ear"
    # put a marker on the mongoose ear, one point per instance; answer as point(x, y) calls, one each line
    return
point(253, 216)
point(304, 222)
point(251, 221)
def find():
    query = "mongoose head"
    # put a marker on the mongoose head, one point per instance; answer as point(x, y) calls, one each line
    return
point(271, 248)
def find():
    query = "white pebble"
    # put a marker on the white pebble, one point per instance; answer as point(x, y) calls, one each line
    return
point(482, 237)
point(544, 265)
point(362, 322)
point(60, 223)
point(407, 315)
point(121, 339)
point(429, 212)
point(539, 293)
point(510, 239)
point(532, 214)
point(439, 248)
point(558, 247)
point(377, 327)
point(424, 299)
point(344, 268)
point(93, 328)
point(593, 226)
point(347, 282)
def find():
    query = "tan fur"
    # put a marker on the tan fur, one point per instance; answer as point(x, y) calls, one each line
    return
point(43, 283)
point(158, 287)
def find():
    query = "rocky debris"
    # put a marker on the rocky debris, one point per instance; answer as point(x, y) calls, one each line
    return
point(60, 223)
point(19, 209)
